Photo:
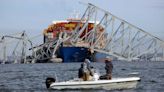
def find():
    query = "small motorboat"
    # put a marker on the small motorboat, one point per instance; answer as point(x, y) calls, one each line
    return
point(114, 83)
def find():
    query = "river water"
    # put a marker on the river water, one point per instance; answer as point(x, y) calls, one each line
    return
point(31, 77)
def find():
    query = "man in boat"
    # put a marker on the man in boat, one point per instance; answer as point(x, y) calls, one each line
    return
point(88, 63)
point(108, 68)
point(81, 72)
point(85, 70)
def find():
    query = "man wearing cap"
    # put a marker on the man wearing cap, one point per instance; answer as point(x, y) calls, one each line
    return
point(108, 68)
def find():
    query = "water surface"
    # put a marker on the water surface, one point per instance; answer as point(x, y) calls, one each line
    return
point(31, 77)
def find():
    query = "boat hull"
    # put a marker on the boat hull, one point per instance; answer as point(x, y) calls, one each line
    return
point(115, 83)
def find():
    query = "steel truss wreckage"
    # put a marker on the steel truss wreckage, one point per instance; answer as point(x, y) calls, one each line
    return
point(110, 35)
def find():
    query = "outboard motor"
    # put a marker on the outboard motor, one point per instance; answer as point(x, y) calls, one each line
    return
point(49, 81)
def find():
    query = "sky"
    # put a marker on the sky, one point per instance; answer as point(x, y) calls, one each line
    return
point(35, 15)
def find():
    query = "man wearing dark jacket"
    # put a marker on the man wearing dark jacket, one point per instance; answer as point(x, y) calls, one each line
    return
point(108, 68)
point(81, 72)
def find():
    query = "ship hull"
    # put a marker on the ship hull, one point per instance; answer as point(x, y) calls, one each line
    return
point(73, 54)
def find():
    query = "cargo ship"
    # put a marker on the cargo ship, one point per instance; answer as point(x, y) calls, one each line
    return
point(67, 52)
